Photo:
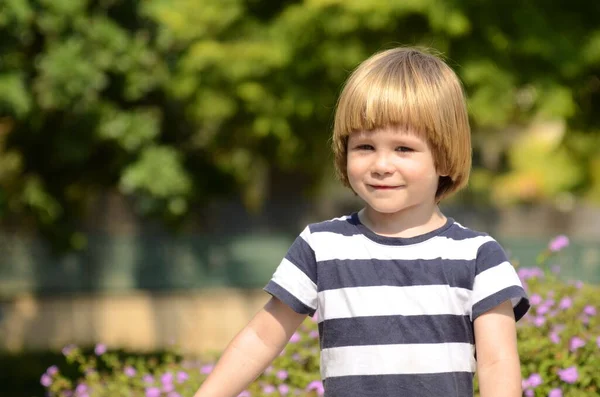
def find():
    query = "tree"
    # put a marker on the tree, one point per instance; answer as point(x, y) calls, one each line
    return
point(175, 102)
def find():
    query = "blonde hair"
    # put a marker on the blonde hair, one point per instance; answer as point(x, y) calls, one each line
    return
point(409, 88)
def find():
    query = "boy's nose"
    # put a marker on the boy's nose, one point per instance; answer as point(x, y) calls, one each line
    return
point(383, 164)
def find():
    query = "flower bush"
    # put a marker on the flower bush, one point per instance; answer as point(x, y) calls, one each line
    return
point(559, 346)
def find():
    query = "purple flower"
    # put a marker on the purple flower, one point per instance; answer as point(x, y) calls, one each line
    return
point(46, 380)
point(598, 341)
point(100, 349)
point(268, 389)
point(153, 392)
point(245, 393)
point(182, 376)
point(541, 310)
point(589, 310)
point(282, 375)
point(535, 380)
point(539, 321)
point(527, 273)
point(81, 390)
point(316, 385)
point(565, 303)
point(129, 371)
point(148, 379)
point(313, 334)
point(173, 394)
point(529, 393)
point(554, 337)
point(283, 389)
point(167, 378)
point(295, 338)
point(207, 369)
point(575, 343)
point(568, 375)
point(578, 284)
point(558, 243)
point(68, 349)
point(555, 393)
point(315, 317)
point(52, 370)
point(296, 357)
point(535, 299)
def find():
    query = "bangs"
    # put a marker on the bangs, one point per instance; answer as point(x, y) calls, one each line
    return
point(394, 94)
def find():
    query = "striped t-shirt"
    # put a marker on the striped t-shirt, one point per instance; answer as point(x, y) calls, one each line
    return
point(395, 314)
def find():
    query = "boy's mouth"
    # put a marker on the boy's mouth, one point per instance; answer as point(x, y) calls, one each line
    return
point(384, 187)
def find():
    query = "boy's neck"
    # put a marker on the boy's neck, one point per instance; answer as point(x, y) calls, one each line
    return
point(404, 224)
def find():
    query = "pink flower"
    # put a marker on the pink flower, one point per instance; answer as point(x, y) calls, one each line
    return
point(589, 310)
point(535, 299)
point(206, 369)
point(46, 380)
point(129, 371)
point(598, 341)
point(554, 337)
point(539, 321)
point(558, 243)
point(245, 393)
point(268, 389)
point(313, 334)
point(534, 380)
point(295, 338)
point(52, 370)
point(555, 393)
point(575, 343)
point(100, 349)
point(282, 375)
point(529, 393)
point(568, 375)
point(68, 349)
point(182, 376)
point(283, 389)
point(565, 303)
point(316, 385)
point(148, 379)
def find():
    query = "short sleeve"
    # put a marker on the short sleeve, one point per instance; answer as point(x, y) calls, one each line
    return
point(295, 279)
point(496, 281)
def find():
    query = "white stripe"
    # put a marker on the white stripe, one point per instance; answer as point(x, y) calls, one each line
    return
point(493, 280)
point(328, 246)
point(296, 282)
point(398, 359)
point(389, 301)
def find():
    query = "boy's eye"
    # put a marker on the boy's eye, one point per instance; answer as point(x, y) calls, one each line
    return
point(403, 149)
point(364, 147)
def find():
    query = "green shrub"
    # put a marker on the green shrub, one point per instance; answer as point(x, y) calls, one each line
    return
point(559, 346)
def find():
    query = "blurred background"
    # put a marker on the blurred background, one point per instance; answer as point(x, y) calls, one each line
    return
point(158, 157)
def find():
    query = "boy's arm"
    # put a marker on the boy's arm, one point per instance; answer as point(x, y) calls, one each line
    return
point(252, 350)
point(498, 366)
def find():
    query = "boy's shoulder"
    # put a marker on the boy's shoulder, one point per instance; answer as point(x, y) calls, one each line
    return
point(344, 225)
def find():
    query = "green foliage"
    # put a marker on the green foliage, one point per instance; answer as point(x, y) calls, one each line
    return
point(235, 90)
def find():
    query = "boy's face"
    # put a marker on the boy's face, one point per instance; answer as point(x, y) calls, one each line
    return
point(392, 170)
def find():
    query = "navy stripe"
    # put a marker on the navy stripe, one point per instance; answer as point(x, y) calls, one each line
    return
point(345, 227)
point(451, 384)
point(346, 273)
point(352, 226)
point(489, 255)
point(280, 293)
point(303, 256)
point(501, 296)
point(395, 330)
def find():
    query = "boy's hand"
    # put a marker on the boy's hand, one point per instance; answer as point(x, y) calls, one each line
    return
point(498, 364)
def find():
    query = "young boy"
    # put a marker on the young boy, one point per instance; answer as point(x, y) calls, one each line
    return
point(409, 302)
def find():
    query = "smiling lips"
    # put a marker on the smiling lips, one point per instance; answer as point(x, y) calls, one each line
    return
point(384, 187)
